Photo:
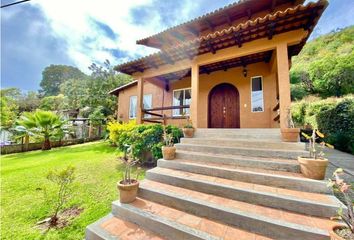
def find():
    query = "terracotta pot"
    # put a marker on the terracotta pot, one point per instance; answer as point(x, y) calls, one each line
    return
point(188, 132)
point(128, 192)
point(334, 235)
point(290, 134)
point(313, 168)
point(168, 153)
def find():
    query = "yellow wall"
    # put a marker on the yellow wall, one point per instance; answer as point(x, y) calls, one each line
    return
point(248, 119)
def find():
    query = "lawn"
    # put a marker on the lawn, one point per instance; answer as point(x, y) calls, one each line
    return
point(23, 178)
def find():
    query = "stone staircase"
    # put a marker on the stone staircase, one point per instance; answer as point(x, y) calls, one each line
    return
point(225, 184)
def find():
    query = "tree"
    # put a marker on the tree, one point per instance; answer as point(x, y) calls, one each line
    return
point(102, 80)
point(74, 91)
point(28, 102)
point(9, 106)
point(54, 75)
point(43, 123)
point(53, 103)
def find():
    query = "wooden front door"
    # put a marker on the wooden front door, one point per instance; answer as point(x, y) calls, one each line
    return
point(224, 107)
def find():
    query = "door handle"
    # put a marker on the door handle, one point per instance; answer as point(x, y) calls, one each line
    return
point(224, 111)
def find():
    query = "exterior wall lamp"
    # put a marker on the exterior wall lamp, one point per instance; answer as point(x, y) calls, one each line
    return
point(244, 71)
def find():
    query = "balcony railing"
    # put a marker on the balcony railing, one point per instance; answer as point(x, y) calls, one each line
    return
point(161, 117)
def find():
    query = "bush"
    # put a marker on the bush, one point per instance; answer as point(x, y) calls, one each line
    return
point(338, 124)
point(333, 116)
point(144, 138)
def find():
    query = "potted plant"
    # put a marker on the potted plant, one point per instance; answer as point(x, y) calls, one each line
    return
point(315, 165)
point(344, 231)
point(290, 133)
point(128, 187)
point(168, 148)
point(188, 129)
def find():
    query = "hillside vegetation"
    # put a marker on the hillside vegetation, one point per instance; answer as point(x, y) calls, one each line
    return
point(325, 66)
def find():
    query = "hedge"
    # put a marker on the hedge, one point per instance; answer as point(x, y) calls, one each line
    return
point(145, 138)
point(333, 116)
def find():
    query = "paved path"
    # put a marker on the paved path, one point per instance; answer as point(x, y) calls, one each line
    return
point(340, 159)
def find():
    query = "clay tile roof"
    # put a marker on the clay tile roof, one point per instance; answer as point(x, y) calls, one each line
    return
point(300, 16)
point(118, 89)
point(240, 7)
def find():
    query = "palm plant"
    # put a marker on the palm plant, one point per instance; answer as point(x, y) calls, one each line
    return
point(21, 132)
point(43, 123)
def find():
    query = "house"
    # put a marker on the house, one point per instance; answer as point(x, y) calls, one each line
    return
point(226, 69)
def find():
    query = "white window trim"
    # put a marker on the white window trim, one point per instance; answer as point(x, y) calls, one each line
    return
point(173, 94)
point(130, 97)
point(262, 94)
point(148, 115)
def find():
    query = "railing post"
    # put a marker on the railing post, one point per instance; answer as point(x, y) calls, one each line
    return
point(140, 97)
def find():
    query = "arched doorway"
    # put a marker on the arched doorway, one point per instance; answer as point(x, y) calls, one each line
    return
point(224, 107)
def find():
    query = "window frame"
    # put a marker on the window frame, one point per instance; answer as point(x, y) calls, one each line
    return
point(136, 109)
point(173, 94)
point(148, 115)
point(259, 76)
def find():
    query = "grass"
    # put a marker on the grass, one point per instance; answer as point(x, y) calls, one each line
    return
point(23, 180)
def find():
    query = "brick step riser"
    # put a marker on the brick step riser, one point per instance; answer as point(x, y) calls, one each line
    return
point(244, 162)
point(168, 229)
point(299, 184)
point(253, 152)
point(250, 196)
point(250, 222)
point(246, 144)
point(95, 232)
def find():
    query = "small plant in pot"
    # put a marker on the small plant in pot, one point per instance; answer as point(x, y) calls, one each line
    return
point(314, 166)
point(188, 129)
point(343, 231)
point(128, 187)
point(290, 133)
point(168, 148)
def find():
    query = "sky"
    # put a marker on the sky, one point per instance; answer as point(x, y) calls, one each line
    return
point(38, 33)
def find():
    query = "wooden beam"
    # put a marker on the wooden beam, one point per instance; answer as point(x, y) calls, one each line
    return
point(238, 39)
point(210, 46)
point(270, 30)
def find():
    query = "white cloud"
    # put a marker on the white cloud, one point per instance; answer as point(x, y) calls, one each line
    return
point(72, 21)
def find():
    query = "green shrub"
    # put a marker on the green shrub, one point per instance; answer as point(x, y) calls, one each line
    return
point(338, 124)
point(333, 116)
point(144, 138)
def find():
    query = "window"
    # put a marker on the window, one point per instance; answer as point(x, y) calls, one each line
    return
point(147, 103)
point(132, 107)
point(181, 97)
point(257, 94)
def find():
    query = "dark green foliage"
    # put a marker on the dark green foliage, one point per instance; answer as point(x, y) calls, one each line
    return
point(338, 123)
point(143, 138)
point(333, 116)
point(54, 75)
point(325, 66)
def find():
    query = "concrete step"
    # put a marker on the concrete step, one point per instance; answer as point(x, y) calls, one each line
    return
point(244, 143)
point(272, 223)
point(242, 161)
point(270, 134)
point(111, 227)
point(278, 179)
point(177, 224)
point(253, 152)
point(167, 227)
point(320, 205)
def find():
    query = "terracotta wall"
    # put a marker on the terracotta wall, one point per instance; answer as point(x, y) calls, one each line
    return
point(248, 119)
